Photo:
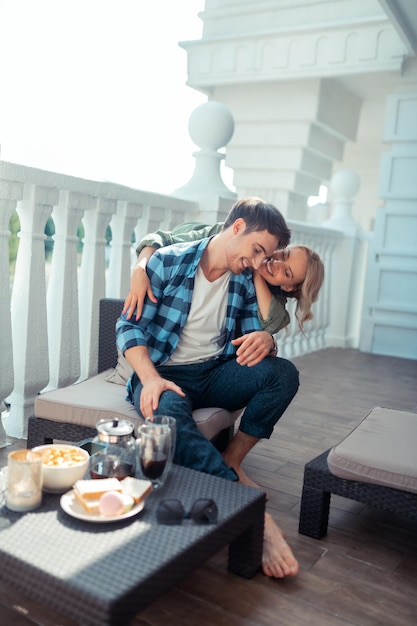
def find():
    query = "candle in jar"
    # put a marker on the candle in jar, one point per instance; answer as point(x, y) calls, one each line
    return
point(24, 481)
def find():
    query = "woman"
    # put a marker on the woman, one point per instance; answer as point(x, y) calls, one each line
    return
point(294, 272)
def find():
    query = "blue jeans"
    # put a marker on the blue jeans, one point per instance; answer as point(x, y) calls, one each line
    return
point(265, 390)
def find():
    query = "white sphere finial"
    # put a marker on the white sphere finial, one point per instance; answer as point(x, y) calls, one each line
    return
point(211, 126)
point(344, 185)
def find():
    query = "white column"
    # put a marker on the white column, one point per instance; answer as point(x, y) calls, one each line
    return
point(92, 281)
point(28, 306)
point(122, 226)
point(348, 264)
point(9, 194)
point(62, 297)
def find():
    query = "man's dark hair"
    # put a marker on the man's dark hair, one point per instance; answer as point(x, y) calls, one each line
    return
point(260, 215)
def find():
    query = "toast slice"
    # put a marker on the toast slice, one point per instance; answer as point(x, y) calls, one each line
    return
point(138, 488)
point(91, 506)
point(93, 489)
point(89, 492)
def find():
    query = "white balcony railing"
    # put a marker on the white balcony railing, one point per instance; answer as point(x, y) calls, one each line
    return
point(48, 331)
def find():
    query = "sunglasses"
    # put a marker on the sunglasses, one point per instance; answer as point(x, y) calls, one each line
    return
point(203, 511)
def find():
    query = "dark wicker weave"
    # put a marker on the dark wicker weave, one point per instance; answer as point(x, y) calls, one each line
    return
point(41, 431)
point(100, 574)
point(110, 310)
point(320, 483)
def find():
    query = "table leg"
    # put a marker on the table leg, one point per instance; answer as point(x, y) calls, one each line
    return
point(245, 552)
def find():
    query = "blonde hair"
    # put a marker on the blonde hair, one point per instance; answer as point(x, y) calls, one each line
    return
point(307, 291)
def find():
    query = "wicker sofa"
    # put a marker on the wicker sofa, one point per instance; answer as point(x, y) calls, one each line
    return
point(70, 413)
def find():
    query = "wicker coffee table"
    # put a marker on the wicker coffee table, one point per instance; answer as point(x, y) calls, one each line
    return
point(105, 573)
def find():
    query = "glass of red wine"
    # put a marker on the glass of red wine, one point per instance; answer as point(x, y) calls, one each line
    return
point(154, 452)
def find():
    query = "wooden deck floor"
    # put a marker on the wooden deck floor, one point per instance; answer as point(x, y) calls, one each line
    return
point(363, 573)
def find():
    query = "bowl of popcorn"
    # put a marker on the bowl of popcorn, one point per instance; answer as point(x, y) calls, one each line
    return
point(62, 466)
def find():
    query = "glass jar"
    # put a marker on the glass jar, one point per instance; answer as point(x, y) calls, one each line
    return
point(116, 456)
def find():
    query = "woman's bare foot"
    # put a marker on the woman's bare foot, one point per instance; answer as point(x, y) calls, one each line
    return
point(278, 560)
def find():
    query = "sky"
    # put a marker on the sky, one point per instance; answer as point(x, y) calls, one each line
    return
point(97, 88)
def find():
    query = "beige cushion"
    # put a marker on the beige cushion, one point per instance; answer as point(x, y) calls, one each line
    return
point(122, 372)
point(381, 450)
point(93, 399)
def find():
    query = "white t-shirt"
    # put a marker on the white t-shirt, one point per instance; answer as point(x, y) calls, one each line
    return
point(203, 335)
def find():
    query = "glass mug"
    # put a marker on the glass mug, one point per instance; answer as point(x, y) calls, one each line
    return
point(167, 420)
point(154, 453)
point(24, 481)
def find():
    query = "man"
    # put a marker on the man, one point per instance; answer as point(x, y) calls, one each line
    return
point(189, 349)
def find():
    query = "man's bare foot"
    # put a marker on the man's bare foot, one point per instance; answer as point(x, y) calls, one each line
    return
point(278, 560)
point(234, 454)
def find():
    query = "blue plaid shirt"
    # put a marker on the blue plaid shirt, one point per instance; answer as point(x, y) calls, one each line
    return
point(171, 271)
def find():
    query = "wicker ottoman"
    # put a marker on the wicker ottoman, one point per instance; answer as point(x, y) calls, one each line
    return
point(375, 464)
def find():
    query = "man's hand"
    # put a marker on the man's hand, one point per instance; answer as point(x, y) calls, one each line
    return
point(140, 286)
point(152, 391)
point(153, 385)
point(253, 347)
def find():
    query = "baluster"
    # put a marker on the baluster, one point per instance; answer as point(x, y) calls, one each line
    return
point(177, 217)
point(92, 281)
point(10, 193)
point(152, 219)
point(312, 341)
point(28, 306)
point(62, 296)
point(142, 227)
point(158, 218)
point(295, 335)
point(324, 299)
point(122, 225)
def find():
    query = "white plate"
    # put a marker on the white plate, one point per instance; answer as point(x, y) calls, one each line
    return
point(71, 506)
point(55, 491)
